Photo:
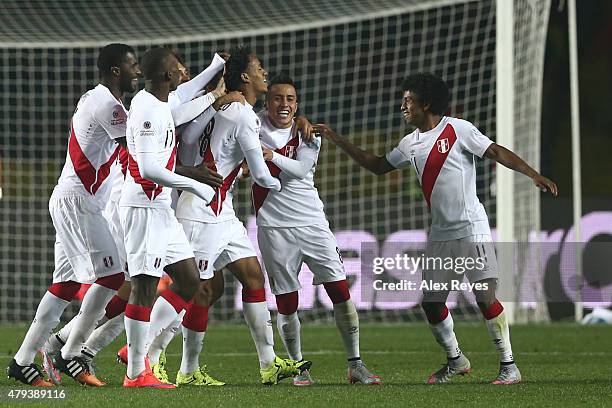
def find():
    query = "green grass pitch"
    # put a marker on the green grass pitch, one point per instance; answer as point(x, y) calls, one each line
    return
point(562, 365)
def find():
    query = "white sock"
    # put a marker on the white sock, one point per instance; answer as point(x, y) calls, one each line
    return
point(47, 316)
point(63, 333)
point(162, 341)
point(92, 309)
point(289, 330)
point(347, 322)
point(136, 332)
point(500, 333)
point(445, 336)
point(258, 319)
point(56, 341)
point(103, 336)
point(192, 346)
point(162, 316)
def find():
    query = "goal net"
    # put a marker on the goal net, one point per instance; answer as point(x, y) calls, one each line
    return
point(348, 58)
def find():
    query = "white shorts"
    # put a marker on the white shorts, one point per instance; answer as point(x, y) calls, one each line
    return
point(285, 249)
point(215, 245)
point(111, 212)
point(455, 255)
point(153, 239)
point(84, 246)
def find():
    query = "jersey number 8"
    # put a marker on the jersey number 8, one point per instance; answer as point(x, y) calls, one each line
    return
point(205, 138)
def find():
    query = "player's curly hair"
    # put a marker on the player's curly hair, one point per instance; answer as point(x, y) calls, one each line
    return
point(430, 90)
point(111, 56)
point(236, 65)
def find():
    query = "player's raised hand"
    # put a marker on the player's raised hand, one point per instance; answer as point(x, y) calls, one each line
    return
point(305, 128)
point(204, 174)
point(325, 131)
point(220, 89)
point(234, 96)
point(224, 54)
point(545, 184)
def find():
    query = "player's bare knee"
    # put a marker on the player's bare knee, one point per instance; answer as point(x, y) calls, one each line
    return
point(433, 303)
point(486, 296)
point(143, 290)
point(189, 289)
point(248, 272)
point(218, 285)
point(204, 294)
point(124, 290)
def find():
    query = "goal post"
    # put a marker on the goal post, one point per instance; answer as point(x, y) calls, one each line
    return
point(504, 102)
point(348, 59)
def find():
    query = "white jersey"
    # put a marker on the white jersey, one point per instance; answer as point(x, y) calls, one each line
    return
point(443, 159)
point(232, 131)
point(298, 203)
point(99, 119)
point(117, 176)
point(148, 118)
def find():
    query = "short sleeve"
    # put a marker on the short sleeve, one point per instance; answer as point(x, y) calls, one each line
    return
point(247, 131)
point(112, 117)
point(399, 157)
point(146, 132)
point(473, 141)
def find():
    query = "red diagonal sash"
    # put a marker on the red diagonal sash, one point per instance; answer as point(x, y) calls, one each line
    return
point(437, 156)
point(259, 193)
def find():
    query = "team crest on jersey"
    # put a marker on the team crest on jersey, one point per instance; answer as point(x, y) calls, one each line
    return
point(147, 125)
point(108, 261)
point(443, 145)
point(202, 264)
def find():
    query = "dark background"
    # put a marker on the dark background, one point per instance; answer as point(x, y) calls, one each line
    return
point(594, 21)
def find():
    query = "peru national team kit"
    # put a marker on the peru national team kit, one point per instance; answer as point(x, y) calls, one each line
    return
point(443, 160)
point(291, 226)
point(153, 237)
point(217, 236)
point(84, 245)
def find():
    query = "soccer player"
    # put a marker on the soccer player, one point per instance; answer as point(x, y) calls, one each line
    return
point(112, 323)
point(84, 247)
point(158, 344)
point(154, 240)
point(441, 150)
point(292, 229)
point(229, 138)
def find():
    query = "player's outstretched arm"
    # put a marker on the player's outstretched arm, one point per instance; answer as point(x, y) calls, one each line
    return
point(376, 164)
point(190, 110)
point(509, 159)
point(187, 91)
